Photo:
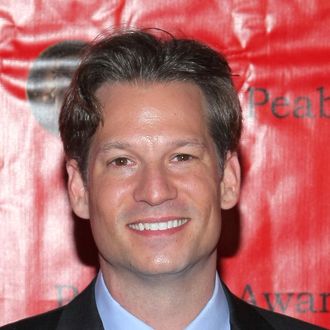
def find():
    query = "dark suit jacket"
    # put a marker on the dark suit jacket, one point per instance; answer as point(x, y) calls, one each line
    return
point(81, 314)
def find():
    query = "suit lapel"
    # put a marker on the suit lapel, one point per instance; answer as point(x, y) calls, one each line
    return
point(243, 315)
point(81, 313)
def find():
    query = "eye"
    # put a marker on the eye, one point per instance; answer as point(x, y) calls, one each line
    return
point(183, 157)
point(120, 162)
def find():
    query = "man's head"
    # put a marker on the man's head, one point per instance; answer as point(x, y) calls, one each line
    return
point(145, 124)
point(137, 57)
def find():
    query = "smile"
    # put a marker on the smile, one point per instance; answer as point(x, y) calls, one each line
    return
point(154, 226)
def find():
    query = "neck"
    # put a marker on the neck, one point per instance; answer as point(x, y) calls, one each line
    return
point(165, 301)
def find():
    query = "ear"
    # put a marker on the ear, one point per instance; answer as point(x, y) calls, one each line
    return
point(231, 181)
point(77, 190)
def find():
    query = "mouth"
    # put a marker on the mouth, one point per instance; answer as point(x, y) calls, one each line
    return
point(158, 226)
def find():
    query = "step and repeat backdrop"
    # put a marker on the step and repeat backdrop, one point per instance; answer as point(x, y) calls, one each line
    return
point(275, 246)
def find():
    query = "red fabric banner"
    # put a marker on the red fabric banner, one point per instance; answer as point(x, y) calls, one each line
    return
point(275, 245)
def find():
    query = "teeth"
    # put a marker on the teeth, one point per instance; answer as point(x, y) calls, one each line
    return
point(153, 226)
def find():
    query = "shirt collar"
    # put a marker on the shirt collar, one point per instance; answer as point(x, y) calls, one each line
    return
point(214, 315)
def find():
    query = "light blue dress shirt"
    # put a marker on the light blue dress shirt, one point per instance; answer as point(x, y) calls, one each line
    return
point(214, 315)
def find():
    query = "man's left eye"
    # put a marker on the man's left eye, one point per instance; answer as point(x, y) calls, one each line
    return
point(183, 157)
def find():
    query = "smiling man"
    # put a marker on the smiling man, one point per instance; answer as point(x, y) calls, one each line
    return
point(150, 127)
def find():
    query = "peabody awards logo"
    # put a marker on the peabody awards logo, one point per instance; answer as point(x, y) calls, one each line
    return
point(315, 105)
point(48, 80)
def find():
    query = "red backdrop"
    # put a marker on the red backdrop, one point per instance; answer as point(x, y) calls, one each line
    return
point(275, 245)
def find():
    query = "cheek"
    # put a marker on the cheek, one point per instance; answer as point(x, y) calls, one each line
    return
point(106, 194)
point(106, 226)
point(203, 192)
point(104, 207)
point(203, 188)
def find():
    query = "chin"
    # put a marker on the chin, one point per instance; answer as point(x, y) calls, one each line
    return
point(162, 267)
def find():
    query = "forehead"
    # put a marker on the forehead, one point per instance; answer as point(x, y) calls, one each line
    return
point(177, 105)
point(112, 91)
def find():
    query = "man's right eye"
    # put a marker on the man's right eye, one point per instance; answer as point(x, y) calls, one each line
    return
point(120, 161)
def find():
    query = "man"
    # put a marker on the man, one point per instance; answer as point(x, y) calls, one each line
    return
point(150, 127)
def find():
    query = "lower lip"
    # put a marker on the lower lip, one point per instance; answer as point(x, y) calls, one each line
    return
point(169, 231)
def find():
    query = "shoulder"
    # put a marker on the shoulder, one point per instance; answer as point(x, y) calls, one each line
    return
point(47, 321)
point(250, 317)
point(284, 322)
point(80, 313)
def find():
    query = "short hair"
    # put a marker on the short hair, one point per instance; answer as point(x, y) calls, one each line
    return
point(141, 56)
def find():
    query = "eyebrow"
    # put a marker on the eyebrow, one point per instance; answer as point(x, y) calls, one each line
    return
point(114, 145)
point(190, 142)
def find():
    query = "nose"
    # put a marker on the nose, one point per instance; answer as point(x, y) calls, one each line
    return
point(155, 186)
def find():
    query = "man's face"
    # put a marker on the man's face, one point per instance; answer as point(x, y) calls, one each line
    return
point(154, 190)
